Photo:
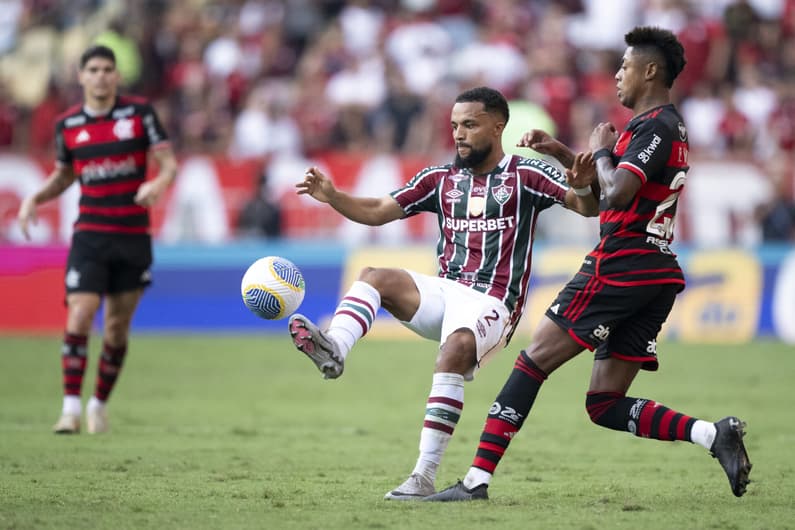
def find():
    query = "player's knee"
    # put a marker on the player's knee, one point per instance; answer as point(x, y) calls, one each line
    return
point(366, 272)
point(597, 404)
point(116, 329)
point(458, 353)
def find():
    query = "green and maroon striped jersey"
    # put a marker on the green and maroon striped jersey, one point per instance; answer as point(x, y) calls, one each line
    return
point(109, 156)
point(486, 222)
point(635, 239)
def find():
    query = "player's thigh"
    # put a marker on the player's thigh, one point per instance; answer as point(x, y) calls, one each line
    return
point(118, 312)
point(552, 345)
point(613, 374)
point(81, 307)
point(398, 290)
point(427, 319)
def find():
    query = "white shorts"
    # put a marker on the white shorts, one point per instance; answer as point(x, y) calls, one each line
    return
point(447, 306)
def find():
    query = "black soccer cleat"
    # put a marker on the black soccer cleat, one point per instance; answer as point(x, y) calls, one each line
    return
point(459, 492)
point(729, 449)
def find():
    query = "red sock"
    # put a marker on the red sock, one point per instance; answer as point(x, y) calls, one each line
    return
point(110, 364)
point(73, 363)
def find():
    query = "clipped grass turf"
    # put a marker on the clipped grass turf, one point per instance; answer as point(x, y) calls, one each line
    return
point(242, 432)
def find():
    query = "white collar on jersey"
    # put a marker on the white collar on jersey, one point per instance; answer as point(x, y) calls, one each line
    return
point(504, 162)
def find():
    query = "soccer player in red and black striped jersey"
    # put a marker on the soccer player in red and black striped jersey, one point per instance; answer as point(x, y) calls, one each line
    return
point(105, 143)
point(486, 204)
point(617, 302)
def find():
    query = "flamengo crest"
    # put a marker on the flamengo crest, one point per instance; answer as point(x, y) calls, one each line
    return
point(123, 129)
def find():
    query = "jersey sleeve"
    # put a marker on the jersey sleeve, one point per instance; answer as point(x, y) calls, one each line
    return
point(544, 183)
point(649, 149)
point(63, 156)
point(155, 133)
point(419, 193)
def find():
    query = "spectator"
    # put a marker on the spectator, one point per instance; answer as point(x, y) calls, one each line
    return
point(777, 216)
point(261, 217)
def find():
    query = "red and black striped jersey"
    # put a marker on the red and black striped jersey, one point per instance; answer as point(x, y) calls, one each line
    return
point(108, 154)
point(635, 239)
point(487, 222)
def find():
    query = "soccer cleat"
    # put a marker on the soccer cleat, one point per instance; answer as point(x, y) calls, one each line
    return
point(97, 420)
point(416, 487)
point(67, 424)
point(459, 492)
point(729, 449)
point(323, 351)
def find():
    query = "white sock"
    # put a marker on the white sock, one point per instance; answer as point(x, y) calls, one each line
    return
point(442, 411)
point(475, 477)
point(354, 316)
point(703, 433)
point(95, 404)
point(72, 405)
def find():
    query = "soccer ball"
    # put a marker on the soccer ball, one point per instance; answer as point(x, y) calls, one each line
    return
point(273, 288)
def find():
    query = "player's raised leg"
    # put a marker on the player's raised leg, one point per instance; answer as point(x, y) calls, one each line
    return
point(353, 318)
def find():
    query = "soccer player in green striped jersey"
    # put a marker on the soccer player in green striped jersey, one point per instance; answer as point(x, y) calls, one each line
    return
point(487, 204)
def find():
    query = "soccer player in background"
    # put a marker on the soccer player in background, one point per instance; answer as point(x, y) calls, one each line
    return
point(487, 204)
point(104, 142)
point(625, 288)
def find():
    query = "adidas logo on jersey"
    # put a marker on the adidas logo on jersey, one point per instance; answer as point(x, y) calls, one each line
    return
point(82, 136)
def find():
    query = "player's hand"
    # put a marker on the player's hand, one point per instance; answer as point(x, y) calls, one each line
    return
point(150, 192)
point(316, 185)
point(27, 215)
point(539, 141)
point(603, 136)
point(582, 172)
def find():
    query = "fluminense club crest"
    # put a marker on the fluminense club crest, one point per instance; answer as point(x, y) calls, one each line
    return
point(502, 193)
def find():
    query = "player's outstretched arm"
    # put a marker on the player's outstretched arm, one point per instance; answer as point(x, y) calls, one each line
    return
point(370, 211)
point(545, 144)
point(60, 179)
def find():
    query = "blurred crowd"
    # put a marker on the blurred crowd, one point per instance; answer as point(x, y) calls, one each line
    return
point(250, 78)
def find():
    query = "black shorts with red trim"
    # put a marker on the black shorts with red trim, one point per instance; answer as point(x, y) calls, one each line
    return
point(616, 321)
point(108, 263)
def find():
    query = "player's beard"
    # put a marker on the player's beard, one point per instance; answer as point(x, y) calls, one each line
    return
point(474, 159)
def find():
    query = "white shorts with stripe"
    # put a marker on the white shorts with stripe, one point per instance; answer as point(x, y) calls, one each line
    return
point(447, 306)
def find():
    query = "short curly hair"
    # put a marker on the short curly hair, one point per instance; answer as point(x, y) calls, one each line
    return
point(662, 43)
point(493, 100)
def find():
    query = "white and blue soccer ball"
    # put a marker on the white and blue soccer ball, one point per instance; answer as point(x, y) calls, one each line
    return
point(273, 288)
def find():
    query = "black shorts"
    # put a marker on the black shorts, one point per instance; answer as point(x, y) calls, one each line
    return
point(108, 263)
point(621, 322)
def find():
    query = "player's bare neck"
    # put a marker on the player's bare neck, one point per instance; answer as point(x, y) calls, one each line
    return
point(651, 100)
point(98, 107)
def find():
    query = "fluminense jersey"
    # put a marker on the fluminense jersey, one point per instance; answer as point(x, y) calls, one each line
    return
point(486, 222)
point(109, 156)
point(635, 239)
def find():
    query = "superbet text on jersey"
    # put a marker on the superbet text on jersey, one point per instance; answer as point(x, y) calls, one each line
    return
point(487, 222)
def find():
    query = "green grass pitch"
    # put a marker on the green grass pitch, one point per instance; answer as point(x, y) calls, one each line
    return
point(224, 432)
